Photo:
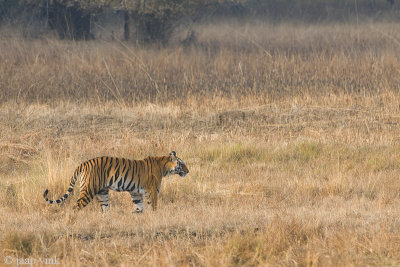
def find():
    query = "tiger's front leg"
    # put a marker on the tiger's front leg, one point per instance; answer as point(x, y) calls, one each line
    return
point(137, 199)
point(151, 198)
point(102, 198)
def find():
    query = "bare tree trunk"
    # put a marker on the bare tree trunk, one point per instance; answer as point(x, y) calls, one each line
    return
point(126, 25)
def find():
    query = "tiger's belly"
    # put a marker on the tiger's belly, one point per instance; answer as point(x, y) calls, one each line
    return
point(127, 186)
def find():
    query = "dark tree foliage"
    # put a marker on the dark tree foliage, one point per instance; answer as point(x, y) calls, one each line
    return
point(155, 20)
point(9, 9)
point(70, 21)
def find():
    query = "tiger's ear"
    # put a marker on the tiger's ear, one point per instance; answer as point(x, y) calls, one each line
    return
point(172, 155)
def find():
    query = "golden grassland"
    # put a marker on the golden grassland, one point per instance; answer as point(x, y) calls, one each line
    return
point(290, 132)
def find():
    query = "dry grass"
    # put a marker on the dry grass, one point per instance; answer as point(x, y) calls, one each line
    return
point(291, 135)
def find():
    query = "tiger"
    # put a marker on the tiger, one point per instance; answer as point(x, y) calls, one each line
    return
point(138, 177)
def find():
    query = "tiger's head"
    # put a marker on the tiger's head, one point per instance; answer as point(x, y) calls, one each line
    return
point(176, 166)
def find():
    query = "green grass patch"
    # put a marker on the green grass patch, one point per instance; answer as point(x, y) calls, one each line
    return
point(302, 152)
point(26, 244)
point(236, 152)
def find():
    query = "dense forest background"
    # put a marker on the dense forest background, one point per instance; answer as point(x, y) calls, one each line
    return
point(156, 21)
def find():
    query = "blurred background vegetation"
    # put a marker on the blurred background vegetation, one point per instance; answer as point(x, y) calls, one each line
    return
point(154, 21)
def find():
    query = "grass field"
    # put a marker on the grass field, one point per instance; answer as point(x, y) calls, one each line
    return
point(291, 134)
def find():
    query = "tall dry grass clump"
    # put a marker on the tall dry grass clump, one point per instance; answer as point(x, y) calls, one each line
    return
point(227, 61)
point(290, 133)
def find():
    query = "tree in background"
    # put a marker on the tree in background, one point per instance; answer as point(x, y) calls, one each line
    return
point(70, 18)
point(155, 20)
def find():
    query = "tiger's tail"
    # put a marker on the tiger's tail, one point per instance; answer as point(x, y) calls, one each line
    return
point(70, 189)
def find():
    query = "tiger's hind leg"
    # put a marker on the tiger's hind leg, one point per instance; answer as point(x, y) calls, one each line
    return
point(83, 199)
point(137, 199)
point(102, 198)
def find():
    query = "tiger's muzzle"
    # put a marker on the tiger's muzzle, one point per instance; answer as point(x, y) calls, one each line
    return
point(181, 169)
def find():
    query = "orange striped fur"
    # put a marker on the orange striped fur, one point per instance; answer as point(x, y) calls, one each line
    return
point(141, 178)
